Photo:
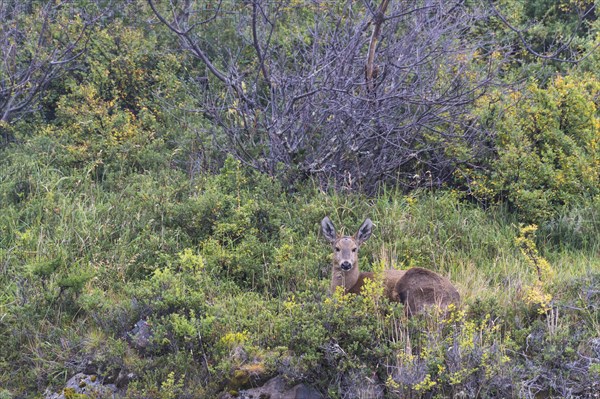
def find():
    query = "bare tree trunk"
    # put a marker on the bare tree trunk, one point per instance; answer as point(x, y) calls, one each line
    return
point(378, 20)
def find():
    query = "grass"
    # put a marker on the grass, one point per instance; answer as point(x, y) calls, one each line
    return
point(233, 275)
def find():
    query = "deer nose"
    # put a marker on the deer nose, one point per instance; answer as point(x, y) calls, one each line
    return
point(346, 265)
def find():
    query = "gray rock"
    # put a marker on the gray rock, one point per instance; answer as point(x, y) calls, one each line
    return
point(84, 384)
point(358, 385)
point(276, 388)
point(139, 337)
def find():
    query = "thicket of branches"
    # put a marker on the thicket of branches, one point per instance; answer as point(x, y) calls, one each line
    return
point(357, 93)
point(39, 43)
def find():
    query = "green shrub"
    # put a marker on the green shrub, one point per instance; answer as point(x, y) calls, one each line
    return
point(547, 146)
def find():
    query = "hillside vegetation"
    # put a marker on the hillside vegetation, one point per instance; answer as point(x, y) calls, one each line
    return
point(167, 166)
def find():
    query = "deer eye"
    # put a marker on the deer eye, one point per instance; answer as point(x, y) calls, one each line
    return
point(354, 249)
point(337, 249)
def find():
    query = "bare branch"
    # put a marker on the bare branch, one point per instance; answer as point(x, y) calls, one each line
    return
point(256, 44)
point(378, 20)
point(35, 52)
point(555, 55)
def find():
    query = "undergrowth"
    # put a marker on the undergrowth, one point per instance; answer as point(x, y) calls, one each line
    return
point(229, 271)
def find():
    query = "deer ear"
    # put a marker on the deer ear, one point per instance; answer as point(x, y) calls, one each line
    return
point(328, 230)
point(364, 231)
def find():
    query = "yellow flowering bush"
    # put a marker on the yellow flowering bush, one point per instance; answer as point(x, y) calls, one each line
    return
point(536, 294)
point(546, 147)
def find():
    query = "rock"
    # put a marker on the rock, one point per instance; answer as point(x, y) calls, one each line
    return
point(90, 368)
point(302, 391)
point(276, 388)
point(84, 384)
point(358, 385)
point(123, 378)
point(248, 375)
point(139, 337)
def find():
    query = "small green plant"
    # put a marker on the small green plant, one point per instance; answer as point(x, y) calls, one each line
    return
point(595, 370)
point(451, 356)
point(172, 387)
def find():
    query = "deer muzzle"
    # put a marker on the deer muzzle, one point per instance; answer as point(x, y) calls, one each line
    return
point(346, 265)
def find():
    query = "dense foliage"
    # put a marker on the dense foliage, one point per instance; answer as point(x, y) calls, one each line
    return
point(139, 186)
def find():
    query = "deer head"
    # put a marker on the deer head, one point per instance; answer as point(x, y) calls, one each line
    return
point(345, 252)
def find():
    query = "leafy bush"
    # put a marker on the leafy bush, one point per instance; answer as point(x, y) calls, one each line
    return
point(547, 146)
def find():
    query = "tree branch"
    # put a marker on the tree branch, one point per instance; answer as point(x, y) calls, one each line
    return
point(555, 55)
point(378, 20)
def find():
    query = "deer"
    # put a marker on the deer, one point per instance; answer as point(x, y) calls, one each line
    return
point(416, 288)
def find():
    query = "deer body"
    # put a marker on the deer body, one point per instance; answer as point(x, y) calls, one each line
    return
point(353, 280)
point(416, 288)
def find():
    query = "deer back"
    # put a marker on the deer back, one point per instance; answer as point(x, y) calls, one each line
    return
point(420, 288)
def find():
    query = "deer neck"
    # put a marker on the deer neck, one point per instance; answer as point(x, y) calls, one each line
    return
point(346, 279)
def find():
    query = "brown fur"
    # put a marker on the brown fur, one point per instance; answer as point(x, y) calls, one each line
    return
point(416, 288)
point(420, 288)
